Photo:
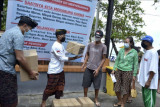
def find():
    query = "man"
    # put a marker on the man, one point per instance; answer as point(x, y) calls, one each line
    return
point(95, 58)
point(11, 49)
point(158, 90)
point(148, 75)
point(56, 78)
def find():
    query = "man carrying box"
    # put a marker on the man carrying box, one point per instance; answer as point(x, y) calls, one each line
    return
point(56, 78)
point(95, 58)
point(11, 49)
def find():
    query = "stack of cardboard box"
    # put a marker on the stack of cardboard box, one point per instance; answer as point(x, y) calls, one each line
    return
point(85, 102)
point(70, 102)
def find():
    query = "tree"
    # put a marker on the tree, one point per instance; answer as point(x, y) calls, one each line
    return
point(100, 26)
point(4, 14)
point(126, 20)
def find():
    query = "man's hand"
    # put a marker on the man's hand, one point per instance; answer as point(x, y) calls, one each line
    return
point(96, 72)
point(148, 83)
point(76, 57)
point(34, 75)
point(113, 72)
point(83, 66)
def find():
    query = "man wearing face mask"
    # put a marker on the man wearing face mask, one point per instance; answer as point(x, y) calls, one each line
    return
point(56, 78)
point(148, 72)
point(95, 58)
point(11, 51)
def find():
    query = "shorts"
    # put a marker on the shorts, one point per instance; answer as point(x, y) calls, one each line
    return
point(88, 78)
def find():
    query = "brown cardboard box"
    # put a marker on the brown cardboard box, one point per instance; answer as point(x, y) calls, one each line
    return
point(70, 102)
point(85, 102)
point(75, 48)
point(32, 60)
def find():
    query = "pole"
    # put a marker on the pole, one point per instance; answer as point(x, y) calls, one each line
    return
point(109, 25)
point(1, 9)
point(97, 16)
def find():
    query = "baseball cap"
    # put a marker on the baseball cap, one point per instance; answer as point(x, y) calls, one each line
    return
point(148, 38)
point(28, 21)
point(99, 33)
point(61, 31)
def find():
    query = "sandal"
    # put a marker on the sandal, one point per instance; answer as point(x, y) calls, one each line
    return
point(116, 105)
point(98, 104)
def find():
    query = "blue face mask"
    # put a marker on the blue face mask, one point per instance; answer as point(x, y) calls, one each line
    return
point(126, 45)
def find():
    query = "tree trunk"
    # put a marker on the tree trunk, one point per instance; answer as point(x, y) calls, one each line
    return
point(114, 46)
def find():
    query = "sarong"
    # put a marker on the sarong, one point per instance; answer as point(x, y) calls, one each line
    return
point(55, 86)
point(149, 97)
point(8, 89)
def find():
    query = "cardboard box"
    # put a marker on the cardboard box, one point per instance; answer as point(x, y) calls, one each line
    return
point(32, 60)
point(85, 102)
point(75, 48)
point(70, 102)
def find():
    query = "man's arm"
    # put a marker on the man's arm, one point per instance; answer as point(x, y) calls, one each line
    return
point(22, 61)
point(85, 60)
point(151, 75)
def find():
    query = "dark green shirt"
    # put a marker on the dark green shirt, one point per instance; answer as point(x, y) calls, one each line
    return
point(128, 62)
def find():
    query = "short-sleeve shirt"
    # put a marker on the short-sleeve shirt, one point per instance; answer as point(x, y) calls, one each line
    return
point(11, 40)
point(58, 58)
point(96, 52)
point(149, 62)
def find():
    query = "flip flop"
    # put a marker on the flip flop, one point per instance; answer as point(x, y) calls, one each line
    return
point(97, 104)
point(129, 101)
point(116, 105)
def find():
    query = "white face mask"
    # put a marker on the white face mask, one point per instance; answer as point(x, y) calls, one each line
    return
point(126, 45)
point(97, 39)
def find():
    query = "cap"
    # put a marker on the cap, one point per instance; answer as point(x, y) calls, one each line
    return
point(61, 31)
point(28, 21)
point(99, 33)
point(148, 38)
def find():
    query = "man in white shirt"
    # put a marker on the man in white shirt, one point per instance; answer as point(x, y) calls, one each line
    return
point(56, 78)
point(148, 73)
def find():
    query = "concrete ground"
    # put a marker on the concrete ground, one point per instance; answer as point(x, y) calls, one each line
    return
point(34, 100)
point(106, 100)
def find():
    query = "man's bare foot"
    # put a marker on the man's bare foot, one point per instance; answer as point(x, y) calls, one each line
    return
point(43, 104)
point(97, 103)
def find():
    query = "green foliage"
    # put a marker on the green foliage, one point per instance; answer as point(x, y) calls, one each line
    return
point(127, 19)
point(100, 26)
point(4, 15)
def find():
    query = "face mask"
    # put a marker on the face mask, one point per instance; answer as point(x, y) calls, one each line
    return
point(63, 39)
point(126, 45)
point(97, 39)
point(25, 32)
point(143, 45)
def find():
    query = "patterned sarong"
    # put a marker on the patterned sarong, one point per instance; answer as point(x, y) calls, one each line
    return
point(55, 86)
point(149, 97)
point(8, 89)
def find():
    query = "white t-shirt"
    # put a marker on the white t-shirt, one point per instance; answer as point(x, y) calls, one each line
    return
point(149, 63)
point(58, 58)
